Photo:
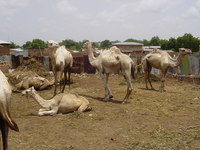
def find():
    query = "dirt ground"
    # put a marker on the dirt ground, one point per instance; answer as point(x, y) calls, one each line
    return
point(150, 119)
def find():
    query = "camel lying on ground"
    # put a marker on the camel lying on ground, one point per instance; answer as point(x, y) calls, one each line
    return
point(61, 60)
point(6, 121)
point(38, 82)
point(109, 61)
point(161, 60)
point(61, 103)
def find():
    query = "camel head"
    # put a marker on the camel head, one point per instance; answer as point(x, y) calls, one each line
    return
point(185, 51)
point(28, 92)
point(52, 43)
point(87, 45)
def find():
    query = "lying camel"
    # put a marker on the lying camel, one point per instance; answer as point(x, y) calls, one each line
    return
point(38, 82)
point(61, 103)
point(6, 121)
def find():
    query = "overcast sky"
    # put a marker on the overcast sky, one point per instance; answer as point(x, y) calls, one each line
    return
point(97, 20)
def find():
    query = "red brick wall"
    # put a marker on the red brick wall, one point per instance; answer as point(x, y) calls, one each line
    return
point(4, 49)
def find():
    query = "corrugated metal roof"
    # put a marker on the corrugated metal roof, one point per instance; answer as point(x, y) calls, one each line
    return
point(127, 43)
point(4, 42)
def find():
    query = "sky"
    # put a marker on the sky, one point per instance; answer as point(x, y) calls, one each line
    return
point(97, 20)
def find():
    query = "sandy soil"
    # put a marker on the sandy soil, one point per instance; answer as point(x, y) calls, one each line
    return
point(150, 119)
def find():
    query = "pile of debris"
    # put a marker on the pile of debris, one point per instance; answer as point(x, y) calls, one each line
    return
point(29, 67)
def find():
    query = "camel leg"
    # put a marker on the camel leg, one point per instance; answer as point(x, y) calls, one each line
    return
point(48, 112)
point(4, 133)
point(56, 82)
point(129, 88)
point(145, 78)
point(84, 107)
point(43, 109)
point(65, 80)
point(148, 76)
point(107, 90)
point(69, 77)
point(162, 86)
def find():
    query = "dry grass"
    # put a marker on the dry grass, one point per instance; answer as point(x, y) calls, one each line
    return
point(150, 120)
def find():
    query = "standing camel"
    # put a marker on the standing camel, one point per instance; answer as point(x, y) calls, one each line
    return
point(161, 60)
point(61, 60)
point(6, 121)
point(109, 61)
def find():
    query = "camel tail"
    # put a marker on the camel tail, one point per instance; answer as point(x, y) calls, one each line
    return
point(5, 116)
point(133, 70)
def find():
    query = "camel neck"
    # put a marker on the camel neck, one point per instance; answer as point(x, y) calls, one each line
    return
point(42, 102)
point(179, 59)
point(91, 57)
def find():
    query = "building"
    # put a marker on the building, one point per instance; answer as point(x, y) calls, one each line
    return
point(4, 48)
point(135, 50)
point(132, 48)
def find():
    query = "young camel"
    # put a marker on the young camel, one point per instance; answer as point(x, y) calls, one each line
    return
point(61, 60)
point(61, 103)
point(161, 60)
point(6, 121)
point(109, 61)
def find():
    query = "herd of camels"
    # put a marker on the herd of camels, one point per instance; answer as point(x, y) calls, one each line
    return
point(109, 61)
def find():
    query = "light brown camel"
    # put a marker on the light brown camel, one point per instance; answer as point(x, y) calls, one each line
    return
point(6, 121)
point(61, 60)
point(109, 61)
point(61, 103)
point(38, 82)
point(161, 60)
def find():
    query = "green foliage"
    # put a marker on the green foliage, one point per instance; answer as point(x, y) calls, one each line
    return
point(73, 45)
point(155, 41)
point(146, 42)
point(188, 41)
point(35, 44)
point(105, 44)
point(13, 45)
point(133, 40)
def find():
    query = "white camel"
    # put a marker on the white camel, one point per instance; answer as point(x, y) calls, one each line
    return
point(61, 103)
point(6, 121)
point(109, 61)
point(161, 60)
point(61, 60)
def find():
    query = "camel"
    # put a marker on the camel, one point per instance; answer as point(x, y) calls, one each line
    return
point(161, 60)
point(38, 82)
point(110, 61)
point(6, 121)
point(61, 60)
point(61, 103)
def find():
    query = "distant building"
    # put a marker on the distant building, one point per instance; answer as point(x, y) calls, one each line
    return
point(4, 48)
point(135, 50)
point(130, 47)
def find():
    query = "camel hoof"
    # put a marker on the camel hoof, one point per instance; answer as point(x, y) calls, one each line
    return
point(106, 99)
point(110, 96)
point(162, 90)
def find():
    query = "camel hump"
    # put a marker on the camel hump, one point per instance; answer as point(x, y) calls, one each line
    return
point(115, 49)
point(5, 115)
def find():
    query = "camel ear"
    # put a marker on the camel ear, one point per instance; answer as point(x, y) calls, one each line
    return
point(32, 88)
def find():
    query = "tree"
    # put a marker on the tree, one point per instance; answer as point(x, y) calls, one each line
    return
point(164, 44)
point(146, 42)
point(72, 45)
point(35, 44)
point(133, 40)
point(188, 41)
point(13, 45)
point(155, 41)
point(172, 44)
point(105, 44)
